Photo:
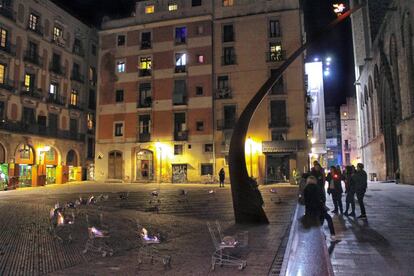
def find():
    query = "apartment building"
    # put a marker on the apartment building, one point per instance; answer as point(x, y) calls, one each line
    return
point(174, 78)
point(348, 132)
point(48, 62)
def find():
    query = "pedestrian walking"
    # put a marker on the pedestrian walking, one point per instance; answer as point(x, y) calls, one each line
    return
point(349, 190)
point(318, 172)
point(315, 206)
point(335, 189)
point(222, 176)
point(360, 179)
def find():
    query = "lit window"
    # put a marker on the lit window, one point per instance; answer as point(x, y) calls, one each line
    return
point(180, 35)
point(53, 88)
point(180, 59)
point(24, 152)
point(74, 96)
point(208, 148)
point(227, 3)
point(178, 149)
point(28, 81)
point(2, 73)
point(145, 63)
point(89, 121)
point(172, 7)
point(57, 33)
point(275, 52)
point(120, 66)
point(200, 58)
point(33, 21)
point(119, 129)
point(3, 38)
point(150, 9)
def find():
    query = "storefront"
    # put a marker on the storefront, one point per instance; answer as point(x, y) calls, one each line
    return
point(4, 176)
point(144, 165)
point(24, 157)
point(51, 162)
point(72, 162)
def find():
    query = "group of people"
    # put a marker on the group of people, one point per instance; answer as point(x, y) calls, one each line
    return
point(314, 192)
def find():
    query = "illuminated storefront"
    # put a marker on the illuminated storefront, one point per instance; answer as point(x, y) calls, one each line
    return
point(24, 164)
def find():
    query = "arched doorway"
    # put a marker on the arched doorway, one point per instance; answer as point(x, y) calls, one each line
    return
point(144, 165)
point(4, 168)
point(72, 163)
point(24, 158)
point(115, 167)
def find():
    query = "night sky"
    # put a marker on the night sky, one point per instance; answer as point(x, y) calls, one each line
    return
point(318, 13)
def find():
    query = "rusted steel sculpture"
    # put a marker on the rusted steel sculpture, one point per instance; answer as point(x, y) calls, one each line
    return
point(247, 200)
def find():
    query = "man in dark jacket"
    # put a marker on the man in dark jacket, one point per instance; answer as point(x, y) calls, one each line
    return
point(360, 179)
point(335, 189)
point(349, 190)
point(222, 176)
point(319, 174)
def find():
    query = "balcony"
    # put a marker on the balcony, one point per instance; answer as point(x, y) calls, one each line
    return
point(180, 69)
point(56, 99)
point(279, 123)
point(31, 92)
point(33, 58)
point(59, 41)
point(8, 12)
point(275, 56)
point(228, 60)
point(144, 137)
point(144, 72)
point(223, 93)
point(76, 76)
point(181, 135)
point(57, 69)
point(9, 49)
point(7, 85)
point(226, 124)
point(37, 29)
point(288, 146)
point(147, 102)
point(146, 44)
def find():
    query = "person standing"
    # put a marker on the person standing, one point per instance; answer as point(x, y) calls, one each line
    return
point(222, 176)
point(315, 205)
point(319, 174)
point(349, 190)
point(360, 179)
point(335, 189)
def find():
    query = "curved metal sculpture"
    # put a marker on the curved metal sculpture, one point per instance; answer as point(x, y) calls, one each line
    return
point(247, 200)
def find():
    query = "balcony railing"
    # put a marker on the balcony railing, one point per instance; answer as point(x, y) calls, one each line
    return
point(56, 99)
point(35, 129)
point(275, 56)
point(180, 69)
point(76, 76)
point(147, 102)
point(33, 58)
point(31, 92)
point(284, 146)
point(37, 29)
point(7, 85)
point(144, 137)
point(181, 135)
point(228, 60)
point(8, 12)
point(279, 123)
point(145, 45)
point(144, 72)
point(9, 49)
point(224, 93)
point(225, 124)
point(57, 69)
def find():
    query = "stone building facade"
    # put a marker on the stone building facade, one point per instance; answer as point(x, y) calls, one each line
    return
point(333, 137)
point(348, 132)
point(47, 84)
point(383, 34)
point(175, 76)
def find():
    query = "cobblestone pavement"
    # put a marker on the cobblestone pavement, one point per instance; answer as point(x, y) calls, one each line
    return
point(27, 248)
point(381, 245)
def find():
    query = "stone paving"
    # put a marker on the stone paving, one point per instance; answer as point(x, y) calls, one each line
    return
point(384, 243)
point(27, 248)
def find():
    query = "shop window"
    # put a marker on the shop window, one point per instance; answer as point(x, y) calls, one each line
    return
point(119, 129)
point(178, 149)
point(180, 35)
point(121, 40)
point(206, 169)
point(50, 155)
point(149, 9)
point(228, 33)
point(172, 7)
point(119, 96)
point(208, 148)
point(274, 28)
point(120, 66)
point(200, 126)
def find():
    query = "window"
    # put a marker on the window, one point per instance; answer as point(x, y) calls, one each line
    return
point(119, 129)
point(180, 92)
point(347, 158)
point(90, 121)
point(278, 113)
point(120, 66)
point(227, 3)
point(92, 76)
point(24, 152)
point(3, 37)
point(208, 148)
point(200, 29)
point(274, 28)
point(229, 116)
point(32, 50)
point(2, 73)
point(91, 100)
point(178, 149)
point(200, 126)
point(29, 81)
point(180, 62)
point(199, 90)
point(121, 40)
point(229, 56)
point(206, 169)
point(145, 99)
point(228, 33)
point(279, 87)
point(346, 145)
point(180, 35)
point(93, 49)
point(144, 124)
point(74, 97)
point(275, 52)
point(57, 33)
point(91, 148)
point(278, 136)
point(149, 9)
point(28, 116)
point(53, 123)
point(200, 58)
point(77, 46)
point(172, 7)
point(33, 22)
point(145, 40)
point(222, 82)
point(53, 89)
point(195, 3)
point(145, 64)
point(119, 96)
